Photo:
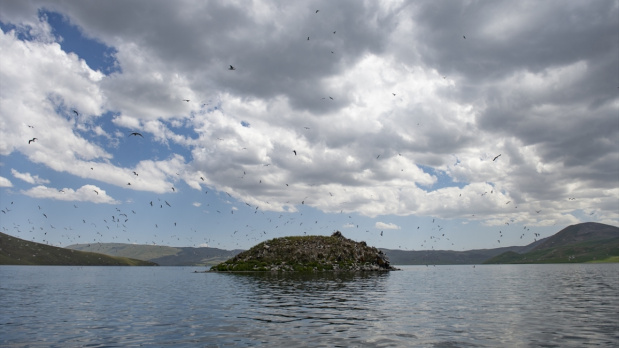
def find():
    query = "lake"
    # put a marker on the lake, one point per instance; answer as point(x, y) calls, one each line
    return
point(571, 305)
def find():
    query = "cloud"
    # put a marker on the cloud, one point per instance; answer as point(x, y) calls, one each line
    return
point(386, 226)
point(4, 182)
point(27, 177)
point(86, 193)
point(375, 112)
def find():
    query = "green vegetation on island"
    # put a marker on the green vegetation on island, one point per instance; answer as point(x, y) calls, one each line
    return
point(308, 254)
point(15, 251)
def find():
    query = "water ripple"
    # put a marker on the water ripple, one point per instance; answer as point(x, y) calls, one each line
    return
point(446, 306)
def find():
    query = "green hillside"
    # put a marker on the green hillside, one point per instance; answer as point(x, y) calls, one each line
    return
point(587, 242)
point(162, 255)
point(136, 251)
point(15, 251)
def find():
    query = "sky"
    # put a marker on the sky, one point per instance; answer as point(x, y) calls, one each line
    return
point(409, 125)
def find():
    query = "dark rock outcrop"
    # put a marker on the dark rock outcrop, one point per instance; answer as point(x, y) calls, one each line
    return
point(308, 254)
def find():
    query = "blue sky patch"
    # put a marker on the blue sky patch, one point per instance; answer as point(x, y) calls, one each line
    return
point(97, 55)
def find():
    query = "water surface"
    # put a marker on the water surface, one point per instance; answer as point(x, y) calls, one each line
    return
point(442, 306)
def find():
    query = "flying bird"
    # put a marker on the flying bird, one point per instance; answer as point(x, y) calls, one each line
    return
point(136, 134)
point(186, 100)
point(494, 159)
point(76, 113)
point(464, 37)
point(136, 174)
point(295, 152)
point(97, 192)
point(231, 68)
point(32, 140)
point(317, 11)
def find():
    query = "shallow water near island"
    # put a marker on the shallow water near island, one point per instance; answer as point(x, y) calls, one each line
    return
point(442, 306)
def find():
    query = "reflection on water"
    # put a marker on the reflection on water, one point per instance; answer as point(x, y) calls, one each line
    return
point(443, 306)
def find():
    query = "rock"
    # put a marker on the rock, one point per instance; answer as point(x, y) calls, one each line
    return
point(308, 254)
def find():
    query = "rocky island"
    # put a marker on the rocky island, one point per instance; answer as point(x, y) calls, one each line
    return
point(308, 254)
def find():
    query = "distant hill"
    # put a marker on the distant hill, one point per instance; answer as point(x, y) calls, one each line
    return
point(445, 257)
point(162, 255)
point(598, 234)
point(16, 251)
point(585, 242)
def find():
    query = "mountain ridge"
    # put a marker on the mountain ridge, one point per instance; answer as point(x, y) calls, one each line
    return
point(584, 242)
point(188, 256)
point(16, 251)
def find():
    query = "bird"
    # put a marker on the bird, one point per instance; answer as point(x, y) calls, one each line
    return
point(464, 37)
point(97, 192)
point(136, 174)
point(295, 152)
point(231, 68)
point(173, 189)
point(308, 38)
point(494, 159)
point(317, 11)
point(186, 100)
point(32, 140)
point(136, 134)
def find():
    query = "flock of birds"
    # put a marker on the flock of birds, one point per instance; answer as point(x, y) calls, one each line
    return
point(117, 224)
